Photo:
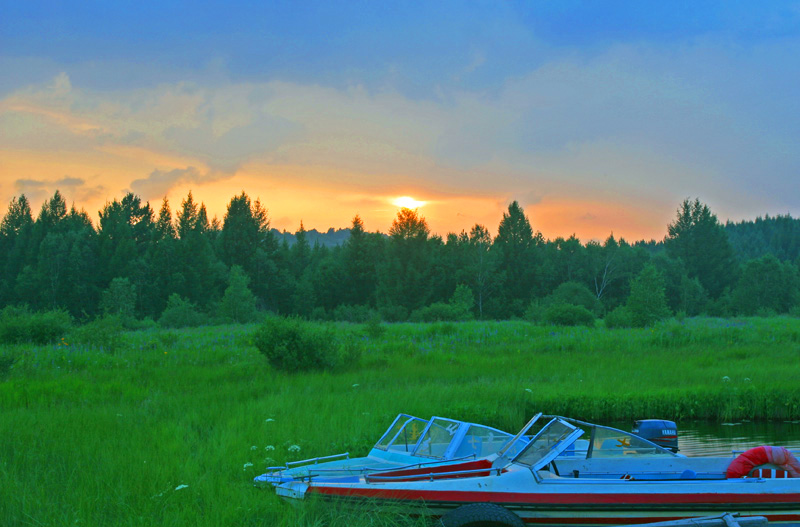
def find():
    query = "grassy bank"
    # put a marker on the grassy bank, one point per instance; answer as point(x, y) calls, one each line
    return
point(95, 438)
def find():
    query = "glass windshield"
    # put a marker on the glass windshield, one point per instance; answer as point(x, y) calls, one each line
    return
point(549, 439)
point(438, 437)
point(480, 441)
point(403, 435)
point(607, 442)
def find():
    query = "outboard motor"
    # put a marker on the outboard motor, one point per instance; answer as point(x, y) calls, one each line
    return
point(661, 432)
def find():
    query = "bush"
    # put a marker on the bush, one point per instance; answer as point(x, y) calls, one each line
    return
point(620, 317)
point(576, 294)
point(6, 363)
point(394, 313)
point(458, 308)
point(119, 299)
point(358, 314)
point(568, 315)
point(290, 344)
point(374, 329)
point(180, 313)
point(238, 304)
point(436, 312)
point(106, 333)
point(18, 325)
point(647, 302)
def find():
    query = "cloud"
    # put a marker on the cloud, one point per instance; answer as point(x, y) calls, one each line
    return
point(634, 120)
point(70, 182)
point(160, 182)
point(73, 189)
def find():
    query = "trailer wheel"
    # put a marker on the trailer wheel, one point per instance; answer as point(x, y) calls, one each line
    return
point(481, 515)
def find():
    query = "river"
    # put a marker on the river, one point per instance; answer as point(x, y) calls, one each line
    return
point(697, 438)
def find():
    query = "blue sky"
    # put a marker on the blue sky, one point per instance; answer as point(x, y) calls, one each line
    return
point(597, 116)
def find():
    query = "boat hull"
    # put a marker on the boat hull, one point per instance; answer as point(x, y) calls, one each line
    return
point(556, 502)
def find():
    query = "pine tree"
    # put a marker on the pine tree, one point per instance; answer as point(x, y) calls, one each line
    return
point(697, 238)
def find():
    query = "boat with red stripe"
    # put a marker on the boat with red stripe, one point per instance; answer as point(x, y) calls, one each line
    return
point(611, 478)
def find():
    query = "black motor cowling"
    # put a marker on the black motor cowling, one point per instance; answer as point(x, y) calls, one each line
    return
point(660, 431)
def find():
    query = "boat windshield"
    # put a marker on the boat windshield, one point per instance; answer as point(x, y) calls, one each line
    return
point(437, 438)
point(480, 441)
point(554, 437)
point(403, 434)
point(609, 442)
point(605, 441)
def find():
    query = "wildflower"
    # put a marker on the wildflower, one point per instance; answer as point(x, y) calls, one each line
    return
point(269, 448)
point(179, 487)
point(528, 390)
point(269, 420)
point(747, 379)
point(294, 448)
point(253, 447)
point(355, 386)
point(247, 465)
point(726, 379)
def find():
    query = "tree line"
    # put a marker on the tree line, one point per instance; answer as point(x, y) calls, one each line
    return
point(143, 263)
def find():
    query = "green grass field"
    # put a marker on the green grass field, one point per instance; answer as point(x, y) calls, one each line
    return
point(171, 428)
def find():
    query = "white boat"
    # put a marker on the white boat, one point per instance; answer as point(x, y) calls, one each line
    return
point(611, 478)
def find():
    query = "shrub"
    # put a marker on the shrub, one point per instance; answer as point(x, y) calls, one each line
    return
point(374, 328)
point(394, 313)
point(358, 314)
point(568, 315)
point(620, 317)
point(106, 333)
point(290, 344)
point(119, 299)
point(436, 312)
point(458, 308)
point(576, 294)
point(238, 303)
point(18, 325)
point(647, 302)
point(180, 313)
point(6, 362)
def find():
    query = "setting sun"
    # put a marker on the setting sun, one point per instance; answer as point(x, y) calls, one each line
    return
point(408, 202)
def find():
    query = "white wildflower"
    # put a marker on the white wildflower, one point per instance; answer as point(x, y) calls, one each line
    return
point(726, 379)
point(355, 386)
point(269, 420)
point(247, 465)
point(747, 379)
point(294, 448)
point(253, 447)
point(528, 390)
point(269, 448)
point(179, 487)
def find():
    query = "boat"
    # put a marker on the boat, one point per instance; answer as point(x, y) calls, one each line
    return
point(409, 443)
point(557, 478)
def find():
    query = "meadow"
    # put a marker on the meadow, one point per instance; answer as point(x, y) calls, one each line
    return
point(170, 428)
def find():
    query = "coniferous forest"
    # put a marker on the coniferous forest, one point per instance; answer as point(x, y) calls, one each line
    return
point(182, 268)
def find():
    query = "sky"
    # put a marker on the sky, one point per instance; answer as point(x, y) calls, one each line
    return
point(597, 117)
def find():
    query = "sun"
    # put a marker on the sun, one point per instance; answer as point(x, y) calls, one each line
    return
point(407, 202)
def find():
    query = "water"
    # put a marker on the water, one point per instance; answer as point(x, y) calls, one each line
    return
point(707, 439)
point(714, 439)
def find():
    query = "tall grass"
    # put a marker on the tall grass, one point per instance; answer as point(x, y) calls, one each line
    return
point(171, 427)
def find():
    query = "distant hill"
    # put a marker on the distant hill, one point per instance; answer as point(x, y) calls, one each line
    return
point(331, 238)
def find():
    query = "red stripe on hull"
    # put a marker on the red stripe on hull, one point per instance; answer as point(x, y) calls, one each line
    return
point(561, 498)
